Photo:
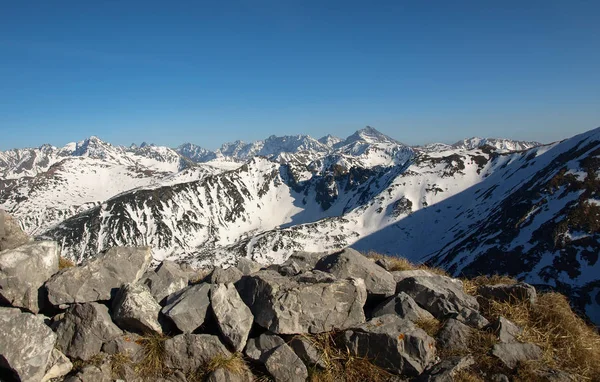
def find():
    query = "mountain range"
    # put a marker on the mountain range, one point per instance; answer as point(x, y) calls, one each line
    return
point(479, 206)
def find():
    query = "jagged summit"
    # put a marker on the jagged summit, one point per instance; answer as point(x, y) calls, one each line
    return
point(369, 135)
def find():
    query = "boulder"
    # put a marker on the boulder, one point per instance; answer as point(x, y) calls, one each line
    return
point(403, 306)
point(247, 266)
point(58, 366)
point(225, 375)
point(299, 262)
point(224, 276)
point(385, 263)
point(307, 351)
point(23, 272)
point(285, 366)
point(166, 279)
point(513, 353)
point(259, 348)
point(100, 278)
point(135, 309)
point(128, 343)
point(506, 331)
point(83, 329)
point(102, 373)
point(401, 275)
point(471, 317)
point(11, 234)
point(509, 292)
point(350, 263)
point(454, 336)
point(187, 352)
point(26, 344)
point(233, 317)
point(187, 308)
point(440, 295)
point(445, 370)
point(393, 343)
point(293, 305)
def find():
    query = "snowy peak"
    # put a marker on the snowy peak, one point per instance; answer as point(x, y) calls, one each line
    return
point(195, 153)
point(370, 135)
point(499, 144)
point(330, 141)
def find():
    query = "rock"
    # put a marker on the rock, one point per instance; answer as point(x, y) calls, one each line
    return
point(292, 305)
point(93, 373)
point(285, 366)
point(187, 352)
point(167, 279)
point(234, 318)
point(350, 263)
point(513, 353)
point(392, 343)
point(224, 375)
point(259, 348)
point(23, 272)
point(307, 352)
point(508, 292)
point(83, 330)
point(299, 262)
point(247, 266)
point(454, 335)
point(128, 343)
point(471, 317)
point(445, 370)
point(402, 305)
point(506, 331)
point(11, 234)
point(440, 295)
point(135, 309)
point(187, 308)
point(401, 275)
point(26, 344)
point(552, 375)
point(58, 366)
point(385, 263)
point(224, 276)
point(100, 278)
point(500, 378)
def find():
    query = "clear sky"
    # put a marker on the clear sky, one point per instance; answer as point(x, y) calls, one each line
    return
point(208, 72)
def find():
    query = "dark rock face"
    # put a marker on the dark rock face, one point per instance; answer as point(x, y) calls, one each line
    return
point(100, 278)
point(392, 343)
point(454, 335)
point(23, 272)
point(308, 303)
point(350, 263)
point(26, 344)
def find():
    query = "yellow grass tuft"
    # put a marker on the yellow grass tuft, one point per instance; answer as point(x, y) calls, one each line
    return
point(118, 363)
point(152, 363)
point(466, 375)
point(403, 264)
point(471, 285)
point(63, 263)
point(431, 326)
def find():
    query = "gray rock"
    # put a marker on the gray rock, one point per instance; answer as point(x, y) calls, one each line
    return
point(285, 366)
point(23, 272)
point(187, 352)
point(26, 344)
point(225, 276)
point(401, 275)
point(471, 317)
point(58, 366)
point(247, 266)
point(259, 348)
point(552, 375)
point(299, 262)
point(135, 309)
point(307, 352)
point(506, 331)
point(98, 279)
point(187, 308)
point(402, 305)
point(224, 375)
point(166, 279)
point(11, 234)
point(128, 343)
point(454, 335)
point(102, 373)
point(293, 305)
point(385, 263)
point(392, 343)
point(233, 316)
point(350, 263)
point(83, 330)
point(499, 378)
point(440, 295)
point(513, 353)
point(445, 370)
point(508, 292)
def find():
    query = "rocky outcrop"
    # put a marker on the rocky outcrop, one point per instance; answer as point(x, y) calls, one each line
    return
point(99, 279)
point(23, 272)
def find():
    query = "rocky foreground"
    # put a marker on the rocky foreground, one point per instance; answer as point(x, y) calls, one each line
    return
point(318, 317)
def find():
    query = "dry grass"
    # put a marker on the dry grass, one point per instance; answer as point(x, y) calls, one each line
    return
point(65, 263)
point(97, 360)
point(466, 375)
point(234, 363)
point(118, 363)
point(152, 364)
point(431, 326)
point(471, 285)
point(403, 264)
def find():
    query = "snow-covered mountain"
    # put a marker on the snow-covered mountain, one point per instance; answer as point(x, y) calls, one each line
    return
point(478, 206)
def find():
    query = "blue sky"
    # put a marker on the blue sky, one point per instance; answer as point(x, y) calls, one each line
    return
point(211, 72)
